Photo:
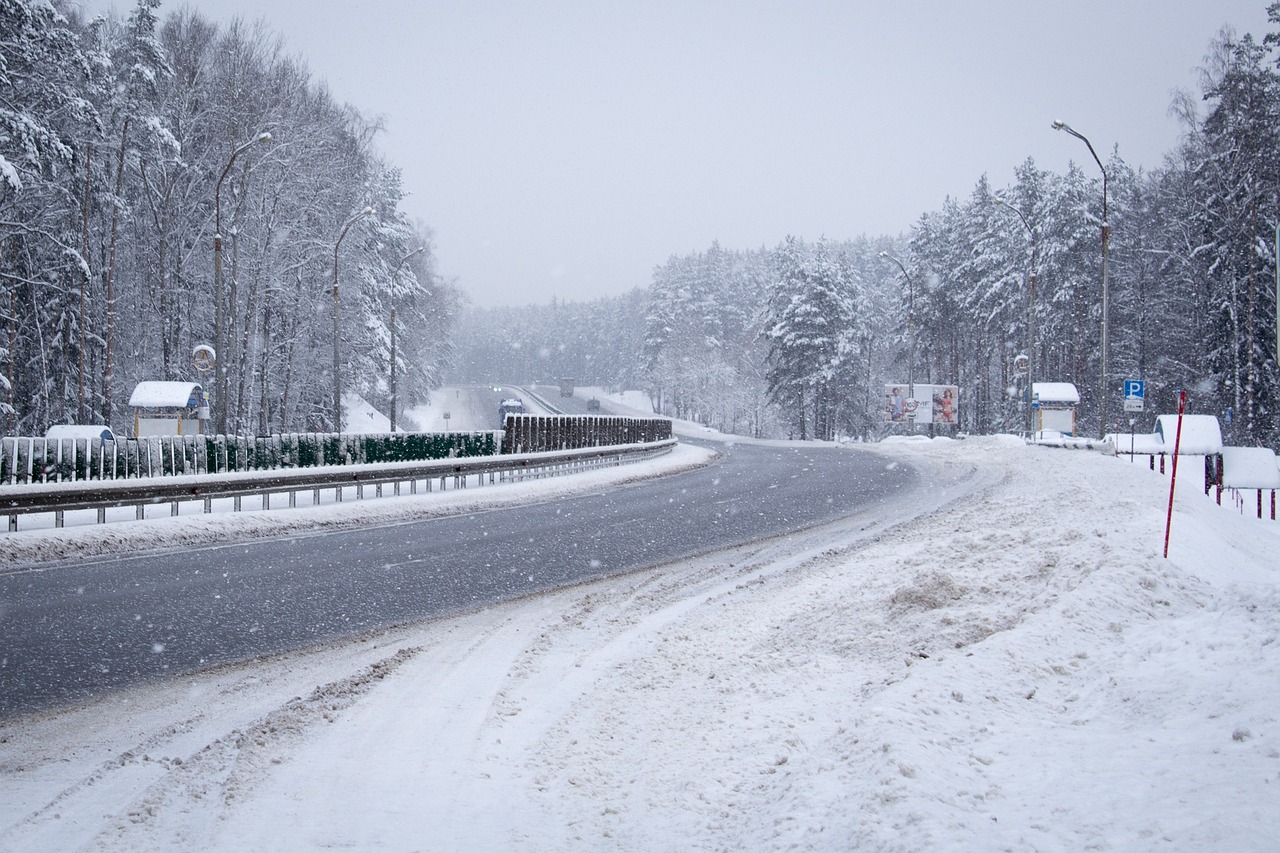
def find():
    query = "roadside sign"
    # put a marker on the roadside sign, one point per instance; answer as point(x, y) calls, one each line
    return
point(203, 358)
point(1135, 391)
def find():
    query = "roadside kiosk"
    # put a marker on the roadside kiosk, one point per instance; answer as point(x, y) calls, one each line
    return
point(1055, 407)
point(168, 408)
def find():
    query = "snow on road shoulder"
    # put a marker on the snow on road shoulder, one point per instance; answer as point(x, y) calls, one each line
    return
point(1012, 665)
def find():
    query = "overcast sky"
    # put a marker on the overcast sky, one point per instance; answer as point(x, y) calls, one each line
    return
point(565, 149)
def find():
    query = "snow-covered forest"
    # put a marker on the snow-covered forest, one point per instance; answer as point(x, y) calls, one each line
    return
point(801, 339)
point(124, 146)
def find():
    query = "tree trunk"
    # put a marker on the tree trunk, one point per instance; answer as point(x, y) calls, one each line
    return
point(82, 412)
point(108, 367)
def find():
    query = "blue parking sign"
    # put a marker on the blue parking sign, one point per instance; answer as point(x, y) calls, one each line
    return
point(1134, 393)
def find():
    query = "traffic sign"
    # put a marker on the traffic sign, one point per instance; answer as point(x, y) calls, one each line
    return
point(1135, 391)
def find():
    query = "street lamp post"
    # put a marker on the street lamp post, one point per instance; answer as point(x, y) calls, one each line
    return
point(394, 402)
point(1031, 305)
point(911, 333)
point(337, 368)
point(1106, 236)
point(219, 312)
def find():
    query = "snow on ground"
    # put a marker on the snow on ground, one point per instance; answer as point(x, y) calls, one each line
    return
point(1003, 662)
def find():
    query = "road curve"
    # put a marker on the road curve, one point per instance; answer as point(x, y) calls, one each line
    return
point(81, 630)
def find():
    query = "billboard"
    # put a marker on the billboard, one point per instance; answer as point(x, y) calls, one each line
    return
point(929, 404)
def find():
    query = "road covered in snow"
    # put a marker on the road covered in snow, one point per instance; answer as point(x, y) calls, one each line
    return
point(1003, 662)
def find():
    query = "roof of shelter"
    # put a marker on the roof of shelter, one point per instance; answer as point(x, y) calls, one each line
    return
point(164, 395)
point(1201, 434)
point(1055, 392)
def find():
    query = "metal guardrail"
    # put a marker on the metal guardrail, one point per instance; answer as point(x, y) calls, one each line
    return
point(106, 494)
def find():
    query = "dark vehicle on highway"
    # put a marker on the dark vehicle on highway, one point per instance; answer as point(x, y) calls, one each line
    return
point(510, 406)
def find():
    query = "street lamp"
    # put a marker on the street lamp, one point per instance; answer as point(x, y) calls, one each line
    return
point(337, 370)
point(911, 334)
point(1106, 236)
point(394, 401)
point(219, 317)
point(1031, 304)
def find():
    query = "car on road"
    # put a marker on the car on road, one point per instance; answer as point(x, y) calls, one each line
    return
point(510, 406)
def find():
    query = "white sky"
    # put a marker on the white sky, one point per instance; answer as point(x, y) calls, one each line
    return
point(567, 148)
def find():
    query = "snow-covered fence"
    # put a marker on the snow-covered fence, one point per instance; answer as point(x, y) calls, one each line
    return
point(1248, 468)
point(539, 433)
point(1201, 436)
point(343, 479)
point(46, 460)
point(1232, 469)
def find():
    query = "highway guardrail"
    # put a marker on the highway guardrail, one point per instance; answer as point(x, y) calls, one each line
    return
point(102, 495)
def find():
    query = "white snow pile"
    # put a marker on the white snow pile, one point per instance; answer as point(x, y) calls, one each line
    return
point(1005, 662)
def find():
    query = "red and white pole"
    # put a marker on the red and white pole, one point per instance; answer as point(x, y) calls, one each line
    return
point(1173, 478)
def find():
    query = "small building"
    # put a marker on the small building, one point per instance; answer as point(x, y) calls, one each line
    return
point(169, 408)
point(1201, 434)
point(1055, 406)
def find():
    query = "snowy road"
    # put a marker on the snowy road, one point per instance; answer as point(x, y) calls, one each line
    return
point(76, 630)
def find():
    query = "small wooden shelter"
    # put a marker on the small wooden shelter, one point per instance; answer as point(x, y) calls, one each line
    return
point(169, 408)
point(1055, 406)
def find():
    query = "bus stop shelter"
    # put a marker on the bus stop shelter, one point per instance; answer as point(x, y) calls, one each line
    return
point(1055, 406)
point(168, 408)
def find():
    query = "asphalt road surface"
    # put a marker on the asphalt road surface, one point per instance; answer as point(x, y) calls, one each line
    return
point(76, 631)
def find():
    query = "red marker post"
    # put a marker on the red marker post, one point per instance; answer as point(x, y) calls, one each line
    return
point(1173, 478)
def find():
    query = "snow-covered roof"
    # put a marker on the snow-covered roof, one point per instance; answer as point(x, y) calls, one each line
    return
point(163, 395)
point(1201, 434)
point(1055, 392)
point(93, 431)
point(1249, 468)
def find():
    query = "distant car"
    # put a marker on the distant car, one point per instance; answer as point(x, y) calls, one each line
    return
point(593, 405)
point(97, 432)
point(510, 406)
